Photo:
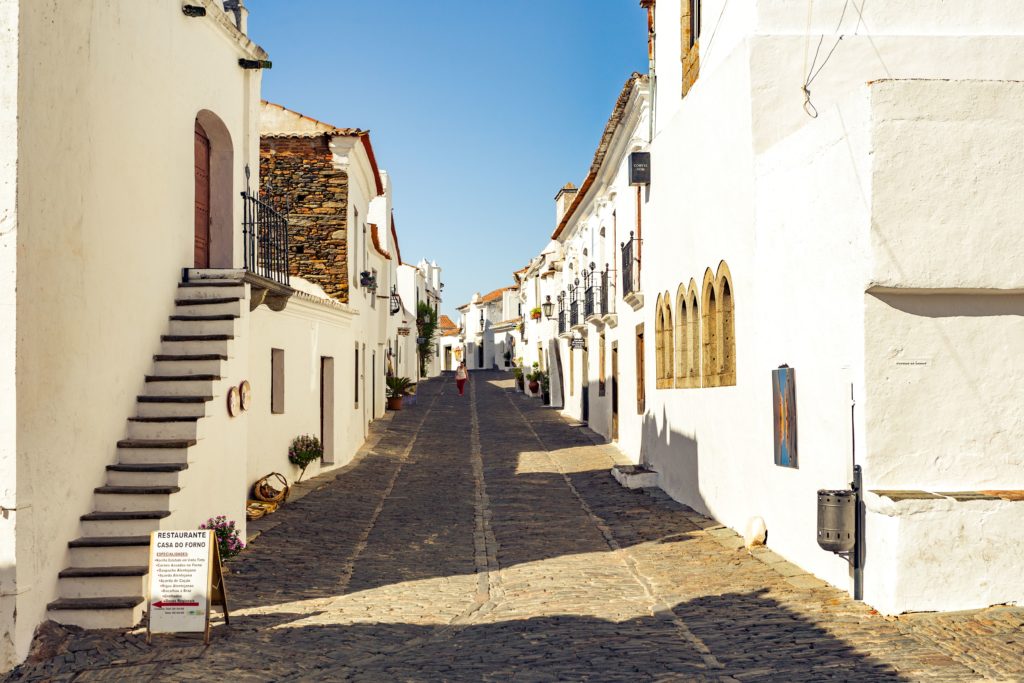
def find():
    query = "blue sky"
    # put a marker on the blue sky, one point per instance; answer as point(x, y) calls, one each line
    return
point(479, 111)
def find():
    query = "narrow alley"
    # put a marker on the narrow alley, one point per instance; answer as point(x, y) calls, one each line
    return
point(482, 538)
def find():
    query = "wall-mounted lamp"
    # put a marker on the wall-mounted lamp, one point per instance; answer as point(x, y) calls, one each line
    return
point(255, 63)
point(193, 11)
point(549, 308)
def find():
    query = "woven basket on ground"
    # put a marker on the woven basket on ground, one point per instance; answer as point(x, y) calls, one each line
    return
point(254, 509)
point(264, 491)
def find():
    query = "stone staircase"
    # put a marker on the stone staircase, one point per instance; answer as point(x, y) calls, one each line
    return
point(107, 583)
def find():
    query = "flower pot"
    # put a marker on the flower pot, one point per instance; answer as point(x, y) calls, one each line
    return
point(521, 383)
point(547, 398)
point(535, 316)
point(534, 387)
point(395, 402)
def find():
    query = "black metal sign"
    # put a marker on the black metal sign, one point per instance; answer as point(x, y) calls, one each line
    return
point(579, 343)
point(640, 168)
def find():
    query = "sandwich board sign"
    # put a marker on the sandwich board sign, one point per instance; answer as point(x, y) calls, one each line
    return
point(184, 580)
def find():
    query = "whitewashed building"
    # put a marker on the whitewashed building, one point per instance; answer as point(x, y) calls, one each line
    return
point(174, 358)
point(834, 194)
point(490, 325)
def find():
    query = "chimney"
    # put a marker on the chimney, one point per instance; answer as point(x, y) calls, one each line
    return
point(563, 200)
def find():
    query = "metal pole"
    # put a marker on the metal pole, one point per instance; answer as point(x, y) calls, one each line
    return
point(858, 548)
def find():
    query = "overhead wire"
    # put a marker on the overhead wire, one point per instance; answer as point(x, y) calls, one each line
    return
point(812, 73)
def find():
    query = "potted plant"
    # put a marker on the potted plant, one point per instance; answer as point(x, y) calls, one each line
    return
point(535, 313)
point(304, 450)
point(228, 540)
point(534, 379)
point(545, 387)
point(368, 280)
point(398, 388)
point(517, 372)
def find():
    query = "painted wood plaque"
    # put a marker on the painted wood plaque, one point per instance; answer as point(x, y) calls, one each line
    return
point(184, 578)
point(784, 414)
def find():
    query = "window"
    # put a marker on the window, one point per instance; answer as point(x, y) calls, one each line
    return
point(709, 326)
point(693, 335)
point(682, 355)
point(726, 328)
point(572, 370)
point(355, 382)
point(373, 295)
point(663, 343)
point(601, 378)
point(640, 388)
point(690, 42)
point(277, 381)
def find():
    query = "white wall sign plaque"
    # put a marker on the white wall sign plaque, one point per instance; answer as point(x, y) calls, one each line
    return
point(184, 578)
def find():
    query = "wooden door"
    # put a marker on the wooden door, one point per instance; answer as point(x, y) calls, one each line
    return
point(327, 408)
point(615, 391)
point(640, 389)
point(585, 392)
point(202, 244)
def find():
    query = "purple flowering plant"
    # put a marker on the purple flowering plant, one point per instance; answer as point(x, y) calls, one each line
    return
point(304, 450)
point(227, 536)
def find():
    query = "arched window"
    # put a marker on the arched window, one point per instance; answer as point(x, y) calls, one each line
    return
point(693, 335)
point(682, 355)
point(726, 328)
point(667, 343)
point(709, 333)
point(659, 349)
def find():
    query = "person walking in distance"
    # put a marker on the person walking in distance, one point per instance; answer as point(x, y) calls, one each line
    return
point(461, 377)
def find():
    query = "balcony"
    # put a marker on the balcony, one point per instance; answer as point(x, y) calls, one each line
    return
point(265, 252)
point(592, 298)
point(607, 312)
point(631, 293)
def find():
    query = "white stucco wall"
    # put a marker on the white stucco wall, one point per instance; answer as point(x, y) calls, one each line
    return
point(8, 317)
point(307, 331)
point(105, 225)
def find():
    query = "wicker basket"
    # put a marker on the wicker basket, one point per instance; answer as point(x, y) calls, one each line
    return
point(262, 490)
point(254, 509)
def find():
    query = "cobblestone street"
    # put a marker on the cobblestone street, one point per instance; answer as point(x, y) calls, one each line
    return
point(482, 538)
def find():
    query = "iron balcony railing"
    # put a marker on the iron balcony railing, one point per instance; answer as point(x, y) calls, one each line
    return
point(630, 266)
point(562, 327)
point(574, 306)
point(590, 294)
point(605, 279)
point(265, 239)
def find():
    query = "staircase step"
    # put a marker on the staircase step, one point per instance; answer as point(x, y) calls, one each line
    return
point(188, 408)
point(108, 541)
point(134, 523)
point(210, 283)
point(203, 345)
point(130, 455)
point(182, 378)
point(145, 474)
point(192, 325)
point(211, 289)
point(181, 385)
point(149, 467)
point(77, 583)
point(89, 572)
point(156, 443)
point(121, 498)
point(185, 357)
point(206, 302)
point(137, 490)
point(196, 337)
point(104, 617)
point(186, 427)
point(202, 318)
point(184, 365)
point(120, 602)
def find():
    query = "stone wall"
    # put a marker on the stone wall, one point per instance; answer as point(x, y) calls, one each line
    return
point(300, 171)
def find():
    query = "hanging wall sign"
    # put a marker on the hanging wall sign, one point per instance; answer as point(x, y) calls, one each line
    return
point(579, 343)
point(640, 168)
point(184, 579)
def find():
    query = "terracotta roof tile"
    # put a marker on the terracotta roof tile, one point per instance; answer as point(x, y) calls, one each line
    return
point(375, 238)
point(496, 294)
point(447, 324)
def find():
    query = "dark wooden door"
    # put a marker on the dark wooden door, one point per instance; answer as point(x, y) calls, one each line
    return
point(615, 391)
point(202, 198)
point(586, 386)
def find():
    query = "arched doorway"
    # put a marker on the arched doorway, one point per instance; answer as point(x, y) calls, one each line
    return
point(214, 193)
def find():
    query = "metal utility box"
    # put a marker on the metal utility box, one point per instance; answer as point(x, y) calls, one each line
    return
point(837, 520)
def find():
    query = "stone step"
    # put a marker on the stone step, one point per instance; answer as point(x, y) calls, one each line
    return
point(98, 613)
point(203, 345)
point(136, 523)
point(180, 385)
point(102, 582)
point(172, 406)
point(199, 364)
point(211, 289)
point(203, 325)
point(214, 306)
point(163, 427)
point(109, 551)
point(136, 451)
point(151, 474)
point(134, 498)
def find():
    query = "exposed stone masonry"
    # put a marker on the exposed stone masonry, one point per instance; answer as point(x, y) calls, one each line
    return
point(300, 171)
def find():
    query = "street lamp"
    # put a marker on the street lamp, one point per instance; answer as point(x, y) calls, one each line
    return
point(481, 321)
point(549, 308)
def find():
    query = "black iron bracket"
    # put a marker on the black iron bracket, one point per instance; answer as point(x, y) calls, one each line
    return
point(255, 63)
point(193, 11)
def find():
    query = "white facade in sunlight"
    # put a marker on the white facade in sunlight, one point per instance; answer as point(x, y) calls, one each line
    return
point(490, 325)
point(114, 411)
point(860, 235)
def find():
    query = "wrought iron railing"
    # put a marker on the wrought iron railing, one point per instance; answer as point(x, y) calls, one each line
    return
point(590, 293)
point(605, 280)
point(574, 306)
point(562, 327)
point(630, 266)
point(265, 239)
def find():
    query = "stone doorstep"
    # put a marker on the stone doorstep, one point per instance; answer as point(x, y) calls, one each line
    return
point(635, 476)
